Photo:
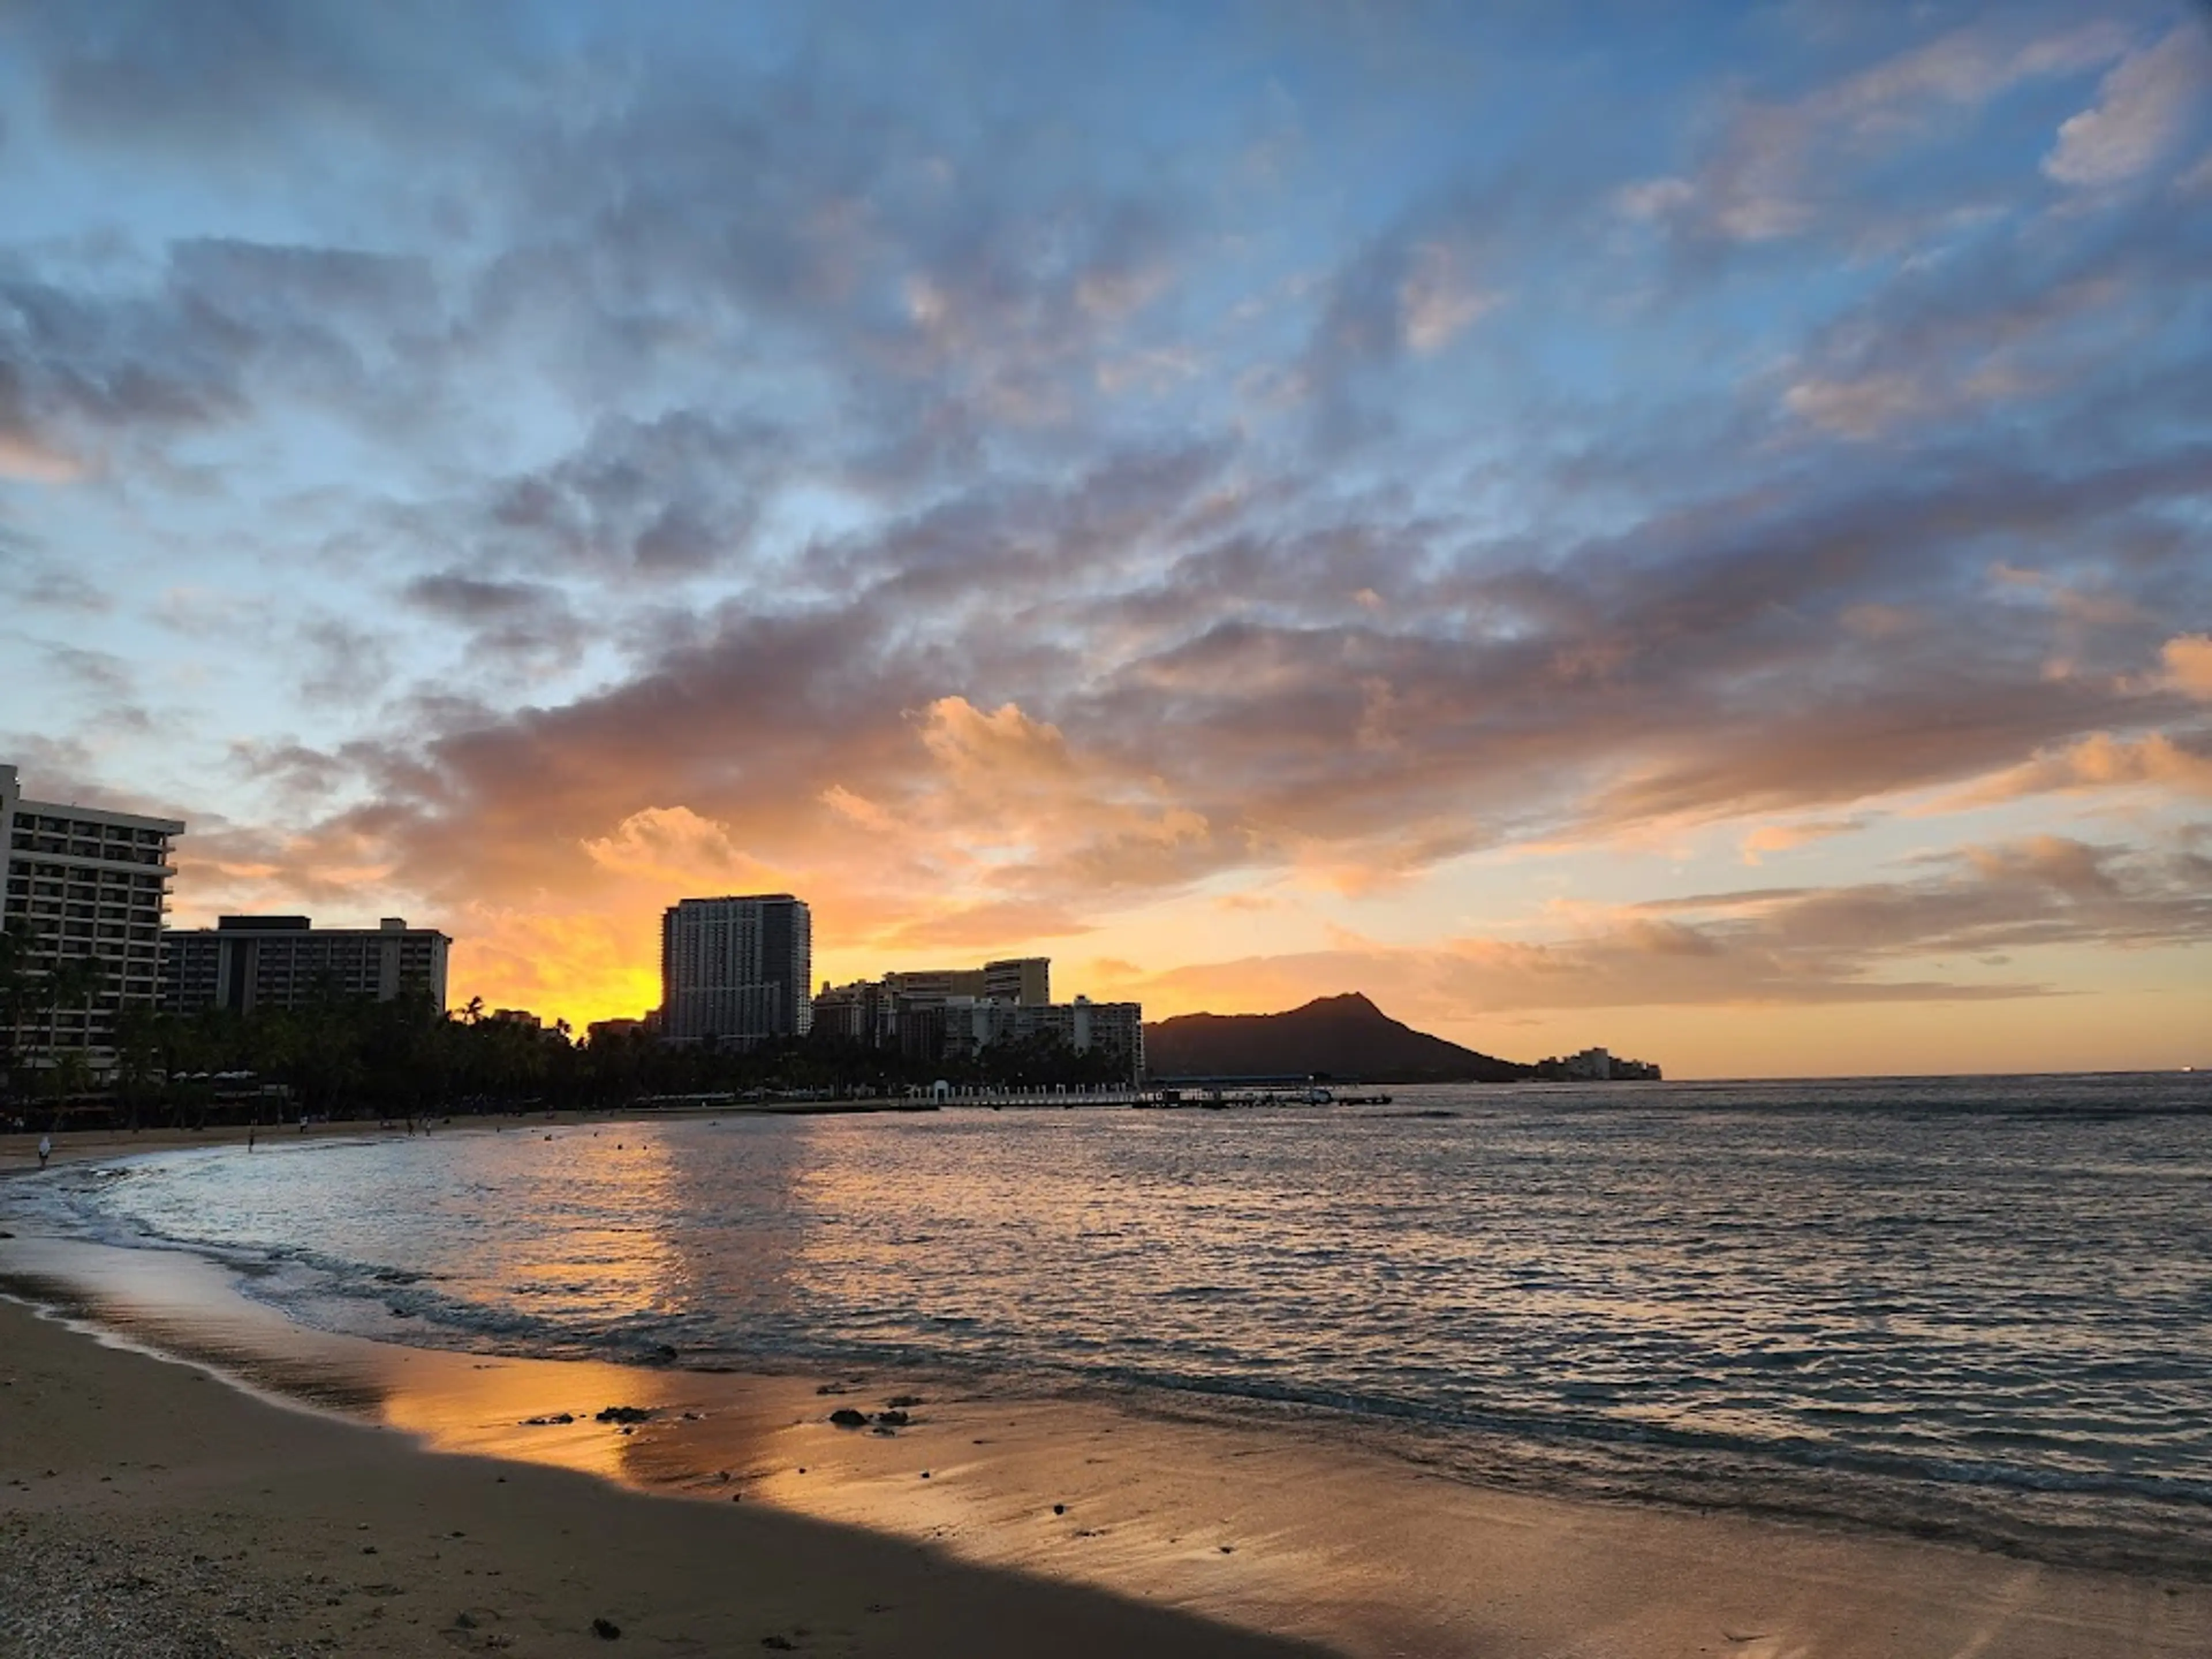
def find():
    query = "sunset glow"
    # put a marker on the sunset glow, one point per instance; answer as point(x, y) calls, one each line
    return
point(1683, 528)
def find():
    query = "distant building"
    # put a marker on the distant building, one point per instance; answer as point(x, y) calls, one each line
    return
point(736, 971)
point(1011, 979)
point(602, 1030)
point(516, 1016)
point(864, 1012)
point(906, 1009)
point(1024, 980)
point(81, 885)
point(1595, 1066)
point(971, 1024)
point(253, 962)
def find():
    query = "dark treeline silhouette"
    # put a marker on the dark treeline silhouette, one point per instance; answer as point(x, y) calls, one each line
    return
point(337, 1057)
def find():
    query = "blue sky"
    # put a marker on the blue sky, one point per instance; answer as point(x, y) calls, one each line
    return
point(1682, 526)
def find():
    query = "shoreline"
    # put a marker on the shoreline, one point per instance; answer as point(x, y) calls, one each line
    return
point(1859, 1504)
point(18, 1148)
point(145, 1513)
point(1243, 1523)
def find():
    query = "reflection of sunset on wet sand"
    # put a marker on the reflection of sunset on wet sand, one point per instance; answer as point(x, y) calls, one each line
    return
point(1354, 1550)
point(795, 800)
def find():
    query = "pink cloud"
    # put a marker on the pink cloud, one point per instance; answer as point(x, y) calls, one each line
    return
point(2143, 107)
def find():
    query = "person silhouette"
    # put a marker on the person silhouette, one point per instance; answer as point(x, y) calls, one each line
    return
point(45, 1150)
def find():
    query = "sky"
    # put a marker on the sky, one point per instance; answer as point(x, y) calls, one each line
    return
point(1686, 528)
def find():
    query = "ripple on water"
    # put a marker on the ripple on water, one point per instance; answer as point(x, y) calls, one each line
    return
point(1882, 1302)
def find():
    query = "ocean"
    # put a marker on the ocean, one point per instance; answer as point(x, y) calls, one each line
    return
point(1977, 1308)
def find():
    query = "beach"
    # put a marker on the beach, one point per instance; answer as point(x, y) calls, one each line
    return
point(863, 1386)
point(148, 1510)
point(154, 1507)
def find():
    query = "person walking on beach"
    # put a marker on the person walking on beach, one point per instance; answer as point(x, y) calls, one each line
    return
point(45, 1150)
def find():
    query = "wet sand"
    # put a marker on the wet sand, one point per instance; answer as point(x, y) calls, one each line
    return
point(736, 1515)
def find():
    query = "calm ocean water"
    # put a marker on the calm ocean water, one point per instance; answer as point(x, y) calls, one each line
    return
point(1978, 1307)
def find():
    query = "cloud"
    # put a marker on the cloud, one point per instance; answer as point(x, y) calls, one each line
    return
point(23, 455)
point(600, 458)
point(2144, 106)
point(2188, 660)
point(158, 352)
point(513, 618)
point(1868, 943)
point(675, 847)
point(1778, 169)
point(1239, 710)
point(2012, 321)
point(1438, 299)
point(1003, 747)
point(2180, 765)
point(984, 926)
point(1786, 837)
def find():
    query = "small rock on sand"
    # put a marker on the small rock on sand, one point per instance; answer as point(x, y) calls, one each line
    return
point(846, 1418)
point(605, 1629)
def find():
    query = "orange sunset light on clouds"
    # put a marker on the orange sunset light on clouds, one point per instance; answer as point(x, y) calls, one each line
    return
point(1252, 506)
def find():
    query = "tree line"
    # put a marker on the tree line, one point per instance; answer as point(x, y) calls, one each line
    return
point(338, 1057)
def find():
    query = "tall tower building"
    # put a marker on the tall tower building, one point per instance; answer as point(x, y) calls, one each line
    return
point(82, 892)
point(736, 971)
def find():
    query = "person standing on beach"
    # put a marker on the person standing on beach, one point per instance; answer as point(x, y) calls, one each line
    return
point(45, 1150)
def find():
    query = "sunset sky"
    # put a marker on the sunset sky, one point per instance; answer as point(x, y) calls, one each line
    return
point(1685, 527)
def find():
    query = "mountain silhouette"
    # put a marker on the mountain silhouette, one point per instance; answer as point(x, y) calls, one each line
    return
point(1343, 1037)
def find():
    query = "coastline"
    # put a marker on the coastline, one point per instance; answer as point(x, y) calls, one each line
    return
point(147, 1511)
point(18, 1148)
point(1233, 1525)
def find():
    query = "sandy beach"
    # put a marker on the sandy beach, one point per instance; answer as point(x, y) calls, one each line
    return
point(432, 1502)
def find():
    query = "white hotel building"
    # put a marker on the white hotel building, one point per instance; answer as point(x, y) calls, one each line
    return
point(82, 885)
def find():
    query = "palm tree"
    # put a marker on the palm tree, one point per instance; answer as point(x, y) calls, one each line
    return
point(138, 1053)
point(54, 990)
point(76, 983)
point(14, 986)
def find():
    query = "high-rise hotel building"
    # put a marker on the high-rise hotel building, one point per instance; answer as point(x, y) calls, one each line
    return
point(253, 962)
point(736, 972)
point(81, 884)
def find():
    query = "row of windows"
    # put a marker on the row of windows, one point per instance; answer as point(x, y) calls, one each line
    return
point(94, 828)
point(131, 880)
point(48, 910)
point(109, 853)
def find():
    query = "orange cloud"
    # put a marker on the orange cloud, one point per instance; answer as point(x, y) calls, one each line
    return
point(2099, 761)
point(674, 846)
point(2189, 664)
point(1783, 837)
